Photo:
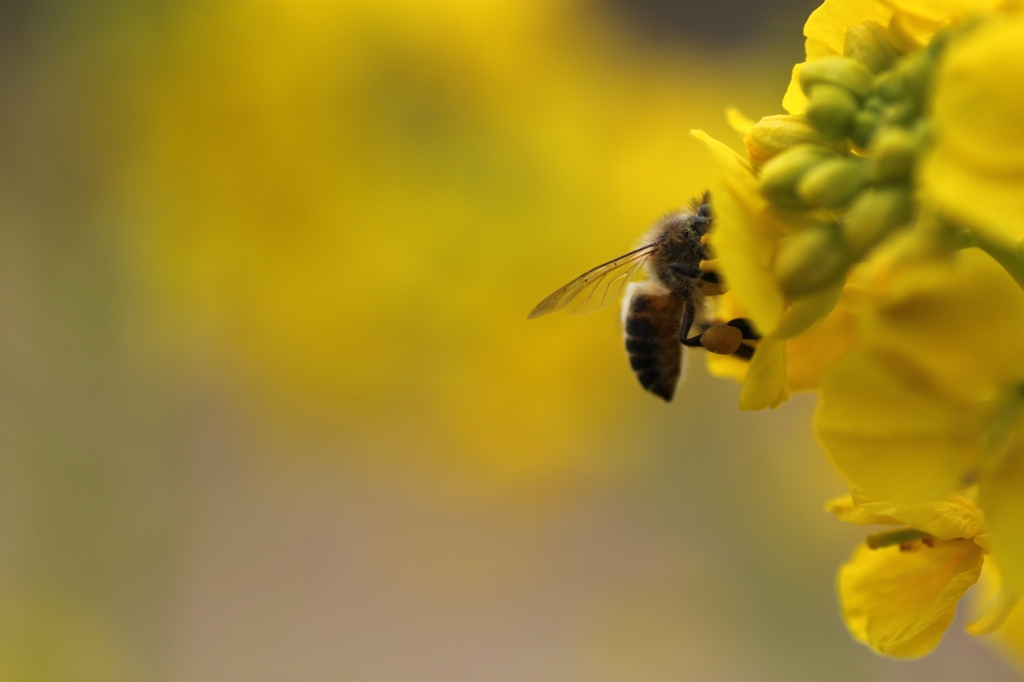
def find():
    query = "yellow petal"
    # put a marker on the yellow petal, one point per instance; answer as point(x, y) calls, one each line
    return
point(795, 101)
point(826, 35)
point(826, 27)
point(1009, 634)
point(765, 384)
point(810, 355)
point(808, 310)
point(745, 236)
point(995, 610)
point(847, 511)
point(925, 641)
point(1009, 638)
point(738, 121)
point(949, 519)
point(961, 320)
point(941, 11)
point(725, 308)
point(891, 434)
point(900, 603)
point(1001, 497)
point(975, 172)
point(727, 367)
point(969, 196)
point(816, 345)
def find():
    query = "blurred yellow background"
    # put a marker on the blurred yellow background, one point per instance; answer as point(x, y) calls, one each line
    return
point(271, 406)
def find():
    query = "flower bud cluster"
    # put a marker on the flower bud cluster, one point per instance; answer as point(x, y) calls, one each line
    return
point(927, 426)
point(849, 159)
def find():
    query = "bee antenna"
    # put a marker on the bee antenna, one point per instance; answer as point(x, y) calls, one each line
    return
point(701, 205)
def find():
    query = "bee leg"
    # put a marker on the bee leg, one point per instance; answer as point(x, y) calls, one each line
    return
point(711, 283)
point(686, 270)
point(689, 313)
point(745, 326)
point(694, 342)
point(744, 351)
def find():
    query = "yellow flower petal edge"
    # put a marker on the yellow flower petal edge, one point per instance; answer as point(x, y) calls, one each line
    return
point(995, 615)
point(994, 609)
point(952, 518)
point(1009, 638)
point(848, 511)
point(900, 603)
point(911, 308)
point(890, 434)
point(942, 10)
point(974, 172)
point(817, 344)
point(745, 237)
point(826, 35)
point(808, 311)
point(812, 354)
point(739, 121)
point(916, 20)
point(727, 367)
point(1001, 495)
point(765, 384)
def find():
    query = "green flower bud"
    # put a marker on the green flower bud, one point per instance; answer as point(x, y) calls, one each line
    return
point(874, 215)
point(889, 87)
point(922, 132)
point(868, 43)
point(874, 104)
point(831, 109)
point(943, 37)
point(811, 259)
point(894, 150)
point(781, 173)
point(864, 125)
point(774, 134)
point(916, 73)
point(902, 112)
point(839, 71)
point(833, 182)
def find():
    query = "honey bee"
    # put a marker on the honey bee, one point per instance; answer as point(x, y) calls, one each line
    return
point(659, 313)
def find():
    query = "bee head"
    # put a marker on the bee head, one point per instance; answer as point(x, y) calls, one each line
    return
point(701, 220)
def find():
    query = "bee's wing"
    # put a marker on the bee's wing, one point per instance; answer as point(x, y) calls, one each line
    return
point(595, 288)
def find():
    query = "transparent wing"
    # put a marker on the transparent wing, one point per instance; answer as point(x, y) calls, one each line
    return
point(595, 288)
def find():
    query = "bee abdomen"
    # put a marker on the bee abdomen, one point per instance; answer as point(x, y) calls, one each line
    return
point(652, 316)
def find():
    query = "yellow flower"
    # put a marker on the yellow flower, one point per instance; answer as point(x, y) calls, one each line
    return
point(933, 398)
point(910, 23)
point(975, 172)
point(795, 216)
point(900, 589)
point(746, 238)
point(917, 349)
point(994, 613)
point(826, 35)
point(797, 364)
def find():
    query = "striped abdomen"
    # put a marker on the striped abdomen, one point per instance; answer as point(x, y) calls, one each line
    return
point(652, 316)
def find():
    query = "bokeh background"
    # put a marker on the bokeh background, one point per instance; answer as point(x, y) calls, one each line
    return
point(270, 408)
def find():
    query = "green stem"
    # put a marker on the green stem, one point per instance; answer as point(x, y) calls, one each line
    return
point(1004, 248)
point(895, 537)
